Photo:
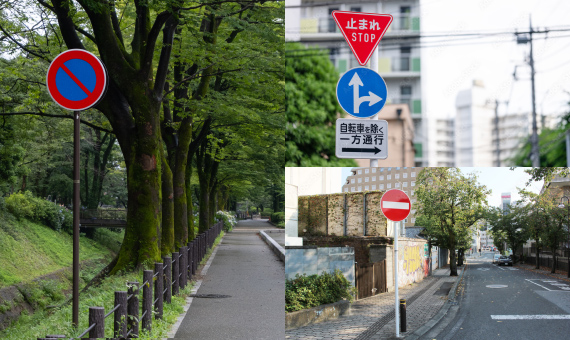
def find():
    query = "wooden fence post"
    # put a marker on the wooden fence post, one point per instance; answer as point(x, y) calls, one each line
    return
point(194, 257)
point(189, 261)
point(167, 278)
point(158, 290)
point(175, 278)
point(133, 310)
point(97, 317)
point(120, 315)
point(147, 300)
point(181, 266)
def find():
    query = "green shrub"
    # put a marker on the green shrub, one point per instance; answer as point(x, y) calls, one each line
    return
point(228, 218)
point(315, 290)
point(277, 217)
point(25, 205)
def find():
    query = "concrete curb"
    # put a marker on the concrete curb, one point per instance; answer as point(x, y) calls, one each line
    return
point(317, 314)
point(197, 284)
point(276, 247)
point(442, 312)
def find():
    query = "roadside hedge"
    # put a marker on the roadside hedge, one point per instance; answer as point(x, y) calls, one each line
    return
point(25, 205)
point(310, 291)
point(277, 217)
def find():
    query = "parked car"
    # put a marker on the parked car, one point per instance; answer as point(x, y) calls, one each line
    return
point(505, 260)
point(496, 258)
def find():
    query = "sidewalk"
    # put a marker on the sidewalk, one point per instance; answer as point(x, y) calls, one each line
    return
point(373, 318)
point(560, 274)
point(246, 271)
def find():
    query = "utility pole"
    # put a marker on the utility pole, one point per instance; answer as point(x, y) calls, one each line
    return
point(535, 152)
point(497, 133)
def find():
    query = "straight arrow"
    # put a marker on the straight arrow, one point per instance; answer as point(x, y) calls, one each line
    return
point(375, 150)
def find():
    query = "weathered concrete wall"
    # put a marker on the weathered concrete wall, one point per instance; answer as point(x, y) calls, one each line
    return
point(317, 260)
point(326, 215)
point(413, 265)
point(317, 314)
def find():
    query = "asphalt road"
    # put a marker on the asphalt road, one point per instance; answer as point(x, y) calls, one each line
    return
point(507, 303)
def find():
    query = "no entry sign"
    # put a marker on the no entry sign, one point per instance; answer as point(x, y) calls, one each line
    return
point(362, 31)
point(395, 205)
point(76, 80)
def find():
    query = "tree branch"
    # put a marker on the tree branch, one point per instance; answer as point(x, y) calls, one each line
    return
point(91, 125)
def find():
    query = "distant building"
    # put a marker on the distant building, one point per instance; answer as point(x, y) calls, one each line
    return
point(403, 178)
point(441, 132)
point(506, 201)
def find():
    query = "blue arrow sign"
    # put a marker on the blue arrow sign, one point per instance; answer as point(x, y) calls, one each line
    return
point(361, 92)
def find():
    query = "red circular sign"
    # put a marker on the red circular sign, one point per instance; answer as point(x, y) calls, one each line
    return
point(395, 205)
point(76, 80)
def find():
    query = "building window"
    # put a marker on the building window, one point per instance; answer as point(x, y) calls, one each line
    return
point(366, 171)
point(405, 175)
point(397, 176)
point(381, 177)
point(359, 188)
point(413, 220)
point(397, 184)
point(345, 189)
point(374, 187)
point(413, 174)
point(373, 178)
point(381, 169)
point(352, 181)
point(360, 180)
point(373, 170)
point(355, 9)
point(360, 172)
point(353, 189)
point(381, 187)
point(366, 179)
point(366, 188)
point(413, 211)
point(405, 184)
point(389, 177)
point(389, 186)
point(412, 193)
point(413, 183)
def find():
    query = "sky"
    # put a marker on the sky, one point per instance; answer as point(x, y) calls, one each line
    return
point(498, 179)
point(448, 70)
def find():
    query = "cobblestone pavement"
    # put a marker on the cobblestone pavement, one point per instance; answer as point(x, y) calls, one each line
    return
point(373, 318)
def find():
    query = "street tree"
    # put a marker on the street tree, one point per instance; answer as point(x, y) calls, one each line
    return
point(511, 227)
point(453, 202)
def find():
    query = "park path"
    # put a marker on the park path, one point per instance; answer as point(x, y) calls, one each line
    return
point(245, 269)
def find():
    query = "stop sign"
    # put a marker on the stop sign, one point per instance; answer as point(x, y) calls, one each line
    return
point(395, 205)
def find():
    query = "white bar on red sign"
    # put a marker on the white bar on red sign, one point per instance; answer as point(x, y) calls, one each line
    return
point(395, 205)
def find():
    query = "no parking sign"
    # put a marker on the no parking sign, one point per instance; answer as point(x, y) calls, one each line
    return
point(76, 80)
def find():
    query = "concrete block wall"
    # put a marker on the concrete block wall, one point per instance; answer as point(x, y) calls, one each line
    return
point(312, 261)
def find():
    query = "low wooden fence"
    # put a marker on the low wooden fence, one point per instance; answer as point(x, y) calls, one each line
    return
point(172, 275)
point(370, 279)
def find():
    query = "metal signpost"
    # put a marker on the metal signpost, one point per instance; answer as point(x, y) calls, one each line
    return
point(396, 206)
point(361, 138)
point(362, 32)
point(76, 80)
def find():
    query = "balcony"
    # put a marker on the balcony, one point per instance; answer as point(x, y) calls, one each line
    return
point(397, 67)
point(322, 28)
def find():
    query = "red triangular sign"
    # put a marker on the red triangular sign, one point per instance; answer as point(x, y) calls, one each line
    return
point(362, 31)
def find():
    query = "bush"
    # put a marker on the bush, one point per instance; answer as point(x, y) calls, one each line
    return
point(228, 218)
point(25, 205)
point(310, 291)
point(277, 217)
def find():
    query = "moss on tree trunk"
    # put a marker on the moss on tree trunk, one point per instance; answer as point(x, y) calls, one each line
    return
point(167, 244)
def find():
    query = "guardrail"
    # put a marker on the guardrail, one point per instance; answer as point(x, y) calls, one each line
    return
point(171, 275)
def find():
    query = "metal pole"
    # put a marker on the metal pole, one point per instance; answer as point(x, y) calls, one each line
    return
point(534, 141)
point(396, 301)
point(374, 67)
point(497, 132)
point(568, 148)
point(76, 202)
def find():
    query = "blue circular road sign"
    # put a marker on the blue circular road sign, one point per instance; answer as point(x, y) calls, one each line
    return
point(361, 92)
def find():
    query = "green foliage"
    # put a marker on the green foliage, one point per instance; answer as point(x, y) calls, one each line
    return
point(310, 83)
point(41, 211)
point(229, 219)
point(310, 291)
point(277, 217)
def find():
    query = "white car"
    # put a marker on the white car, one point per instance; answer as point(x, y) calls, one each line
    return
point(496, 258)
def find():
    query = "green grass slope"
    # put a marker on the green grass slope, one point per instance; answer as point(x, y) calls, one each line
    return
point(29, 250)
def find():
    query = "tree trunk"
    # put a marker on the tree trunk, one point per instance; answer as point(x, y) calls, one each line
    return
point(537, 257)
point(189, 202)
point(452, 262)
point(460, 259)
point(167, 243)
point(553, 262)
point(179, 184)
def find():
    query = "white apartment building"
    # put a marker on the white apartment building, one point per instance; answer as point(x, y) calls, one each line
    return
point(441, 132)
point(399, 63)
point(370, 179)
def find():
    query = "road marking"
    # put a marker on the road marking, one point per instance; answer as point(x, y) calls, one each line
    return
point(483, 269)
point(530, 317)
point(538, 285)
point(501, 268)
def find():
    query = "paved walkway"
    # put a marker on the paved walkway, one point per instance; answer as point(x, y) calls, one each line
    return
point(253, 276)
point(373, 318)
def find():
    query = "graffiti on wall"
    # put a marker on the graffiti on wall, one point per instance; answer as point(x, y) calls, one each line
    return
point(413, 264)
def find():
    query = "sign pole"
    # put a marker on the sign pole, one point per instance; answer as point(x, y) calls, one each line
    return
point(374, 67)
point(76, 203)
point(396, 304)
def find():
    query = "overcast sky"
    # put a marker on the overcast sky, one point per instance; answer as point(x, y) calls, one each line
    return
point(447, 70)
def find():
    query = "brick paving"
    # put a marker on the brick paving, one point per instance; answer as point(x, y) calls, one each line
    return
point(373, 317)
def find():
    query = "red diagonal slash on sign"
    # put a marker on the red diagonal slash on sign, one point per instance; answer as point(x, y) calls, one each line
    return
point(74, 78)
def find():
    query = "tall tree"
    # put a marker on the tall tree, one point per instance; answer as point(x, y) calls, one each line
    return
point(453, 202)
